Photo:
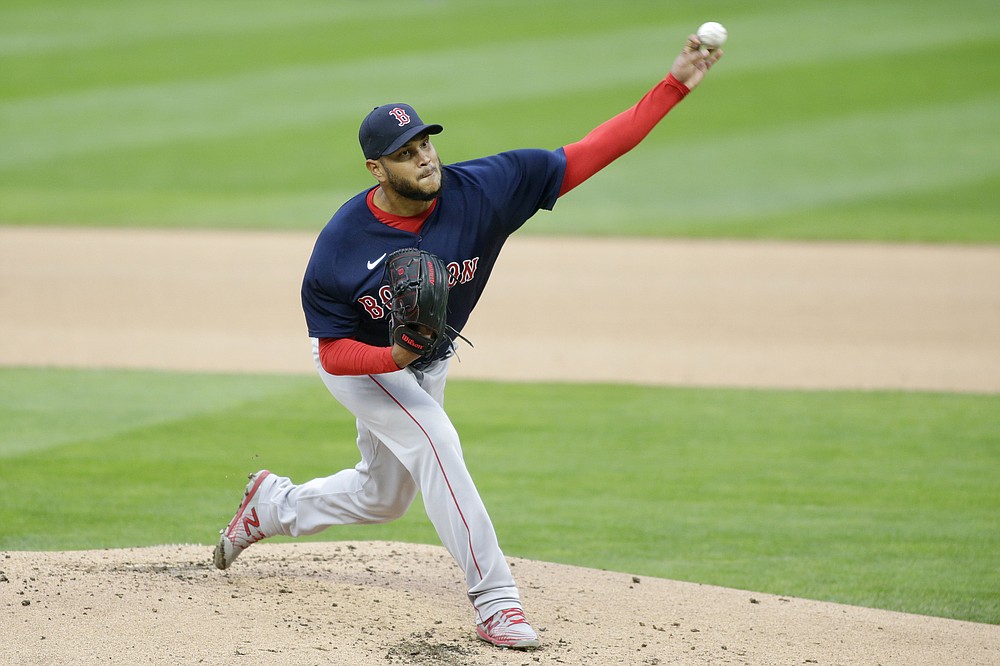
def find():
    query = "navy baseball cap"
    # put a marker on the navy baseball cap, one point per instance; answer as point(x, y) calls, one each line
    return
point(388, 127)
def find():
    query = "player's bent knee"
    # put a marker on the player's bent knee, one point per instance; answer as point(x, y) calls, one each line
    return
point(384, 509)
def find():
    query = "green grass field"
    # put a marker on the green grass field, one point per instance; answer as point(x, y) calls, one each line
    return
point(826, 121)
point(878, 499)
point(847, 120)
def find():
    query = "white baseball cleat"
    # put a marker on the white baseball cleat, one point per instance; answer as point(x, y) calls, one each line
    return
point(244, 529)
point(509, 629)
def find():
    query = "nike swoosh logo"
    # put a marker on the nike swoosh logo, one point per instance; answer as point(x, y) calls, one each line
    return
point(373, 264)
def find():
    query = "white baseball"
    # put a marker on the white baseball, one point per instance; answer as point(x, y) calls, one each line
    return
point(712, 35)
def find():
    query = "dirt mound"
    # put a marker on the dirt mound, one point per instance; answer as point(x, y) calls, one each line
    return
point(361, 603)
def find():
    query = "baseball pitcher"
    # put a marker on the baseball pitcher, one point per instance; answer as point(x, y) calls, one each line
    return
point(392, 281)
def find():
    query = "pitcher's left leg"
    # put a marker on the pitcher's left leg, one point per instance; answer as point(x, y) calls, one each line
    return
point(376, 490)
point(403, 411)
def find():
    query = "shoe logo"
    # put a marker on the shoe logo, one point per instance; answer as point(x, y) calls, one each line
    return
point(373, 264)
point(255, 522)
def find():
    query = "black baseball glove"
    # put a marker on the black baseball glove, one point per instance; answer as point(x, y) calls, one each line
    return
point(419, 308)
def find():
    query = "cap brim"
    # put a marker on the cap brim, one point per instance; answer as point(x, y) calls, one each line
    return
point(406, 136)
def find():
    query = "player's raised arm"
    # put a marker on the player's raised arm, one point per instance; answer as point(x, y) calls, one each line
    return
point(615, 137)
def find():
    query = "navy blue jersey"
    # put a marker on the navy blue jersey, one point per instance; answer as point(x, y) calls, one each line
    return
point(344, 291)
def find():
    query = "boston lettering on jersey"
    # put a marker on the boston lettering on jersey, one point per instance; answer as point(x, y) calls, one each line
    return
point(482, 202)
point(378, 306)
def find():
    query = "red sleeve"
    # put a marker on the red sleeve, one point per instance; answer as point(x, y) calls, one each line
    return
point(613, 138)
point(344, 356)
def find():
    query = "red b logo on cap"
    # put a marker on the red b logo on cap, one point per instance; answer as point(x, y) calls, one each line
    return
point(400, 115)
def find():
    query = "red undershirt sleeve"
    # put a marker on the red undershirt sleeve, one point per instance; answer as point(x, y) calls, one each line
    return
point(615, 137)
point(344, 356)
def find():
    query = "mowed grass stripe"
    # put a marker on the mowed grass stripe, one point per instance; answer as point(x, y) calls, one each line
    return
point(42, 409)
point(58, 28)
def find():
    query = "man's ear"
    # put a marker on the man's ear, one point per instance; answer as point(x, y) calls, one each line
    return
point(375, 169)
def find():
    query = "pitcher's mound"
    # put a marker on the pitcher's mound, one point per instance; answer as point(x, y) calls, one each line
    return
point(357, 603)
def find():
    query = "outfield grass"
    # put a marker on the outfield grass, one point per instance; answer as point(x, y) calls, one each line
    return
point(847, 120)
point(887, 500)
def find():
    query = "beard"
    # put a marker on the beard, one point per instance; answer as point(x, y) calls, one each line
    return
point(412, 191)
